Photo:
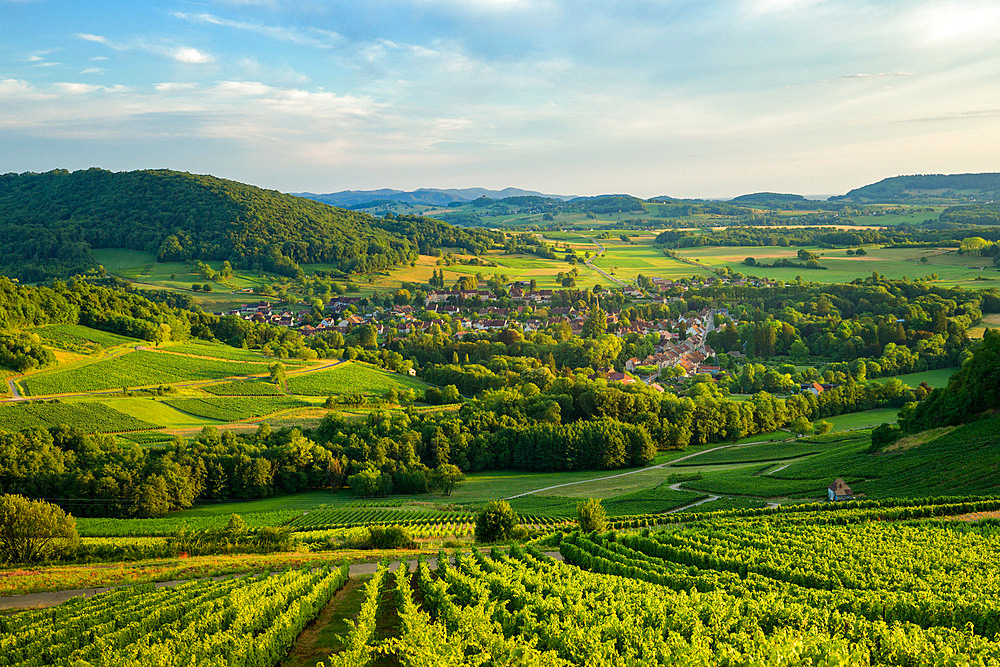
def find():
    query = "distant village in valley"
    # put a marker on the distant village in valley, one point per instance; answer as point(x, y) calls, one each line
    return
point(680, 348)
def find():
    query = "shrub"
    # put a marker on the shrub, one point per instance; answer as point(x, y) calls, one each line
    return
point(591, 516)
point(33, 530)
point(495, 522)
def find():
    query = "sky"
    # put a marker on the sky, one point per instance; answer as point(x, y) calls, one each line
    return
point(687, 98)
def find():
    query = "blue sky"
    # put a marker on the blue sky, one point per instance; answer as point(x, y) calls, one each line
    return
point(676, 97)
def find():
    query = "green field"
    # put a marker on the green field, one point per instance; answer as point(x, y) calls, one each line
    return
point(90, 417)
point(228, 409)
point(142, 269)
point(350, 377)
point(221, 351)
point(952, 269)
point(244, 388)
point(134, 369)
point(78, 338)
point(625, 262)
point(936, 378)
point(964, 461)
point(775, 451)
point(860, 420)
point(156, 411)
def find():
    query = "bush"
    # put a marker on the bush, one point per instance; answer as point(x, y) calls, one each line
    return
point(591, 516)
point(33, 530)
point(389, 537)
point(884, 435)
point(495, 522)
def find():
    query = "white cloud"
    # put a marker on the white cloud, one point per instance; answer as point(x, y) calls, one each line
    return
point(190, 56)
point(316, 37)
point(93, 70)
point(77, 88)
point(100, 39)
point(170, 86)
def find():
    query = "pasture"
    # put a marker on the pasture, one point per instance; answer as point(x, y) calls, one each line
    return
point(934, 378)
point(951, 268)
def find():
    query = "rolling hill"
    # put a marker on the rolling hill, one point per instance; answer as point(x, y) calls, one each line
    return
point(928, 188)
point(424, 196)
point(50, 222)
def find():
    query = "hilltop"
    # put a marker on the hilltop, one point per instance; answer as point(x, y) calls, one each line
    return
point(928, 188)
point(424, 196)
point(51, 221)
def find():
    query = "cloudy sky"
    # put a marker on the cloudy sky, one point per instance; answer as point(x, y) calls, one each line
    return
point(670, 97)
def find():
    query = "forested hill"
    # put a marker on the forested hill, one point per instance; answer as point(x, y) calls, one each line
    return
point(50, 221)
point(929, 188)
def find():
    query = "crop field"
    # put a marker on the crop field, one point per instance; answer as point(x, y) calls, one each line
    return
point(146, 438)
point(134, 369)
point(653, 500)
point(218, 351)
point(951, 268)
point(156, 411)
point(757, 453)
point(625, 262)
point(90, 417)
point(965, 458)
point(166, 526)
point(228, 409)
point(248, 620)
point(991, 321)
point(244, 388)
point(673, 597)
point(352, 376)
point(78, 338)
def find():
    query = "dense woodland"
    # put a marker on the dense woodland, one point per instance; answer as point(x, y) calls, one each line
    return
point(50, 222)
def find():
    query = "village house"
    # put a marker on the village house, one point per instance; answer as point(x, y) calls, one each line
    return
point(839, 491)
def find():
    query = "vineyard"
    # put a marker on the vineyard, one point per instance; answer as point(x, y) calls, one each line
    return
point(78, 338)
point(244, 388)
point(351, 377)
point(967, 458)
point(135, 369)
point(164, 527)
point(617, 603)
point(234, 408)
point(244, 621)
point(90, 417)
point(347, 517)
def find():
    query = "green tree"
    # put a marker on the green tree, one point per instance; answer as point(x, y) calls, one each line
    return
point(367, 335)
point(590, 515)
point(822, 427)
point(801, 426)
point(33, 530)
point(596, 323)
point(495, 522)
point(447, 477)
point(277, 370)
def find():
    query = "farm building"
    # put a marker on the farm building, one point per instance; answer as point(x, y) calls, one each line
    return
point(839, 491)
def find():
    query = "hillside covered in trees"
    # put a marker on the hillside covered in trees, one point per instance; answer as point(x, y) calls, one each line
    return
point(50, 222)
point(928, 188)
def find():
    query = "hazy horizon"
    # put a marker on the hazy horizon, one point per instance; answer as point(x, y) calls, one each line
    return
point(682, 98)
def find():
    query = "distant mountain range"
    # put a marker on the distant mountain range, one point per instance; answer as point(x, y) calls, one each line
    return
point(920, 188)
point(424, 196)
